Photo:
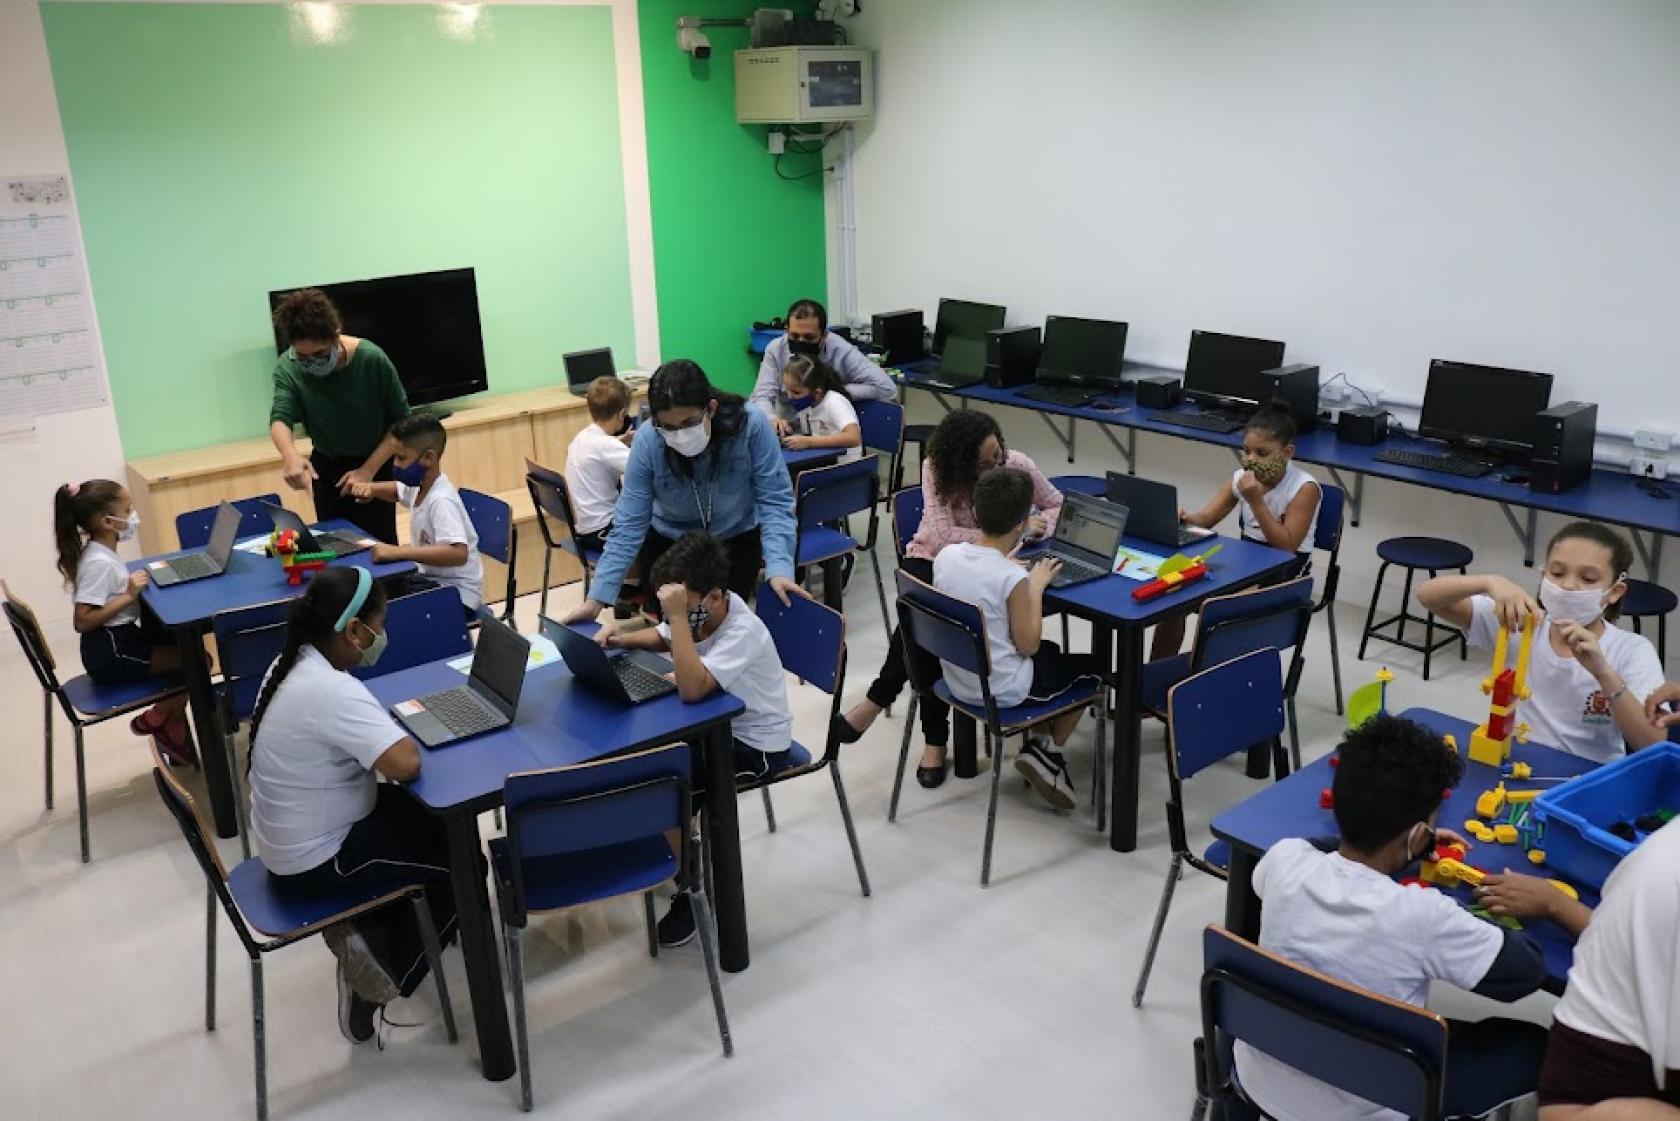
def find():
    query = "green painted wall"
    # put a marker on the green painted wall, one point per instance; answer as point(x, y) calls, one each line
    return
point(732, 242)
point(219, 153)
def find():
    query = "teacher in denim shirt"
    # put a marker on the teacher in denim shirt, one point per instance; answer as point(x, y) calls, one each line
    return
point(706, 462)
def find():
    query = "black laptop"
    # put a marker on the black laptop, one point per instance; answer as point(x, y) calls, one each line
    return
point(1154, 509)
point(485, 703)
point(327, 541)
point(961, 364)
point(621, 675)
point(1087, 539)
point(584, 366)
point(211, 561)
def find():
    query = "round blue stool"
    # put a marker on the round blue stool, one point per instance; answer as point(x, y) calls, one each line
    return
point(1433, 555)
point(1645, 600)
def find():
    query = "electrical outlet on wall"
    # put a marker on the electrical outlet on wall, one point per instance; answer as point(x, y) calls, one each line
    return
point(778, 142)
point(1648, 466)
point(1651, 440)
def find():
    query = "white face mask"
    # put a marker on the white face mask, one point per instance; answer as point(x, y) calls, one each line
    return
point(688, 442)
point(1580, 605)
point(126, 529)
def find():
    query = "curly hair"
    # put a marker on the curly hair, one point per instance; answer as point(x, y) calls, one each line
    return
point(307, 314)
point(1392, 773)
point(953, 451)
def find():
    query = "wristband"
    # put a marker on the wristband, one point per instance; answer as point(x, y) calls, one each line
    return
point(1617, 695)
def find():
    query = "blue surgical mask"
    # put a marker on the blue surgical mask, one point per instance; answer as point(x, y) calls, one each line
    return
point(412, 475)
point(798, 404)
point(319, 366)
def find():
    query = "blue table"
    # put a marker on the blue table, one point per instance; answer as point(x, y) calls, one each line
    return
point(808, 458)
point(1108, 606)
point(187, 609)
point(559, 722)
point(1290, 808)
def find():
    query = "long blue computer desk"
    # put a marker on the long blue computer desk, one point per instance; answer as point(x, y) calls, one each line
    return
point(1607, 496)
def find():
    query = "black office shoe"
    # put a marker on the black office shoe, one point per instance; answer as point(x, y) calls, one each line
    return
point(677, 927)
point(843, 732)
point(931, 778)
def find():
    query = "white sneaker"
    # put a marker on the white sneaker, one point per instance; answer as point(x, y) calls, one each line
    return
point(1046, 772)
point(366, 976)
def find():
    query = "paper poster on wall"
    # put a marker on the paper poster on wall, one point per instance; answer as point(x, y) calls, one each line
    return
point(49, 357)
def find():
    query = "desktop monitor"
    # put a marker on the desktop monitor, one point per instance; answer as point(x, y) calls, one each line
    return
point(970, 320)
point(1483, 406)
point(1082, 351)
point(1226, 369)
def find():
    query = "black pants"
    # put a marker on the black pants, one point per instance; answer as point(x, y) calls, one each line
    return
point(596, 540)
point(399, 842)
point(894, 673)
point(378, 519)
point(746, 560)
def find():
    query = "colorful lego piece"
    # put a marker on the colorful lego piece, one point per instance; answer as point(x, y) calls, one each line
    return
point(1491, 802)
point(1479, 831)
point(1536, 856)
point(1505, 685)
point(1567, 889)
point(1446, 868)
point(1169, 581)
point(1517, 770)
point(1505, 834)
point(1326, 801)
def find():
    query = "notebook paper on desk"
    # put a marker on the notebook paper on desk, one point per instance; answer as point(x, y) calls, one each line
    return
point(543, 651)
point(1139, 564)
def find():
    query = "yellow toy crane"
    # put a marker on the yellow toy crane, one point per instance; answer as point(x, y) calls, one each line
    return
point(1491, 743)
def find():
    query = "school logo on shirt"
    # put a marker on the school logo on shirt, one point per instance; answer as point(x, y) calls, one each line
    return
point(1597, 709)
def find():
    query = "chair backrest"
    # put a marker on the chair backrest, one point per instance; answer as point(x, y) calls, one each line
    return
point(247, 642)
point(810, 638)
point(33, 640)
point(199, 836)
point(553, 499)
point(1234, 625)
point(881, 424)
point(193, 527)
point(906, 517)
point(1327, 531)
point(950, 629)
point(1387, 1052)
point(828, 494)
point(421, 628)
point(492, 520)
point(1225, 709)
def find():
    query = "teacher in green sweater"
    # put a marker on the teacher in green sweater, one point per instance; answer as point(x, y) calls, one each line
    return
point(345, 393)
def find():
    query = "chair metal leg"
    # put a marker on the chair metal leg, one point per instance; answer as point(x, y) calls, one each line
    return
point(881, 591)
point(1335, 656)
point(434, 958)
point(1174, 870)
point(903, 758)
point(1662, 639)
point(81, 793)
point(652, 924)
point(851, 831)
point(1428, 624)
point(1067, 643)
point(542, 597)
point(1099, 776)
point(1199, 1110)
point(521, 1031)
point(769, 810)
point(47, 737)
point(708, 950)
point(991, 812)
point(259, 1038)
point(209, 958)
point(1294, 737)
point(240, 808)
point(1371, 612)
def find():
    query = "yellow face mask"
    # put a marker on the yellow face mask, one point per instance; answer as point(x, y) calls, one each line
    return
point(1268, 471)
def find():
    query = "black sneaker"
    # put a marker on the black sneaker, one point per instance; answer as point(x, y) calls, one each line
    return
point(355, 1015)
point(677, 927)
point(1046, 772)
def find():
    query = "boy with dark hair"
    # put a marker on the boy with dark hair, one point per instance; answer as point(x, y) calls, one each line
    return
point(596, 459)
point(445, 547)
point(1024, 665)
point(716, 642)
point(1333, 906)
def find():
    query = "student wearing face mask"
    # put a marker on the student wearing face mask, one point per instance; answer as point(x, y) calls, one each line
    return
point(320, 819)
point(120, 645)
point(707, 462)
point(345, 393)
point(1588, 680)
point(1276, 503)
point(808, 335)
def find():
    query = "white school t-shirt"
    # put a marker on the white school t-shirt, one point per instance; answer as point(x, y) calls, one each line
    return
point(742, 656)
point(595, 465)
point(985, 577)
point(101, 574)
point(1277, 500)
point(312, 765)
point(441, 519)
point(830, 417)
point(1353, 923)
point(1567, 710)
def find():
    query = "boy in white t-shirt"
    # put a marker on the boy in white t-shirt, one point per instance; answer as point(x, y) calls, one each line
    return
point(445, 544)
point(1025, 666)
point(718, 642)
point(1276, 503)
point(1587, 679)
point(596, 458)
point(1333, 906)
point(823, 415)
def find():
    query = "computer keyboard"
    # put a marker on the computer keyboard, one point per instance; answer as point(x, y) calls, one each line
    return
point(1070, 396)
point(1449, 464)
point(193, 567)
point(639, 681)
point(1074, 572)
point(459, 714)
point(1207, 422)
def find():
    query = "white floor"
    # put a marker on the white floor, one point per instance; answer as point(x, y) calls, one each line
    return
point(933, 998)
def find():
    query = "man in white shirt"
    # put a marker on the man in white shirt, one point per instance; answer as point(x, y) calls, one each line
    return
point(808, 334)
point(596, 458)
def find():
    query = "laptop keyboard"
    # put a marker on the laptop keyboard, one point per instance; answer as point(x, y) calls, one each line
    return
point(1075, 572)
point(459, 713)
point(193, 567)
point(1066, 395)
point(639, 681)
point(338, 546)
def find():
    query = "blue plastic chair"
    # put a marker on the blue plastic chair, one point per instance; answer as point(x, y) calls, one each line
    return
point(810, 640)
point(247, 642)
point(824, 498)
point(907, 506)
point(591, 832)
point(1213, 715)
point(421, 628)
point(1387, 1052)
point(1327, 538)
point(84, 702)
point(251, 902)
point(498, 538)
point(881, 423)
point(557, 522)
point(192, 528)
point(954, 631)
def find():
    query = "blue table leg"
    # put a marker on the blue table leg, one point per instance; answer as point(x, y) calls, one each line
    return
point(207, 730)
point(1128, 731)
point(478, 945)
point(1242, 906)
point(723, 852)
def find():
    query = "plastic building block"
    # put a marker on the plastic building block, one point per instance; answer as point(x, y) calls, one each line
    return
point(1491, 802)
point(1325, 800)
point(1479, 831)
point(1450, 740)
point(1335, 761)
point(1505, 685)
point(1518, 770)
point(1505, 834)
point(1169, 582)
point(1536, 856)
point(1451, 872)
point(1567, 889)
point(1520, 797)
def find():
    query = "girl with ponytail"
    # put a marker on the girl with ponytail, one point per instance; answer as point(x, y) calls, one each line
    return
point(119, 645)
point(321, 820)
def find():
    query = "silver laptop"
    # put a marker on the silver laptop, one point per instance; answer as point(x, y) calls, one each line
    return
point(485, 703)
point(1087, 539)
point(211, 561)
point(309, 541)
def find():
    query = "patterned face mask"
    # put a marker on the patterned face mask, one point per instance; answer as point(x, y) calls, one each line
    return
point(1268, 471)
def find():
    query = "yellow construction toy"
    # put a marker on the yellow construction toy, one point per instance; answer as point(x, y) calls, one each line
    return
point(1520, 797)
point(1505, 834)
point(1450, 872)
point(1491, 802)
point(1478, 831)
point(1567, 889)
point(1491, 743)
point(1536, 856)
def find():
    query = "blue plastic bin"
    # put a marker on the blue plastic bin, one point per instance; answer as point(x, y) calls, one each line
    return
point(1578, 814)
point(759, 340)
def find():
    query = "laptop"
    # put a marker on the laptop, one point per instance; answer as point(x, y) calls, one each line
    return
point(584, 366)
point(619, 675)
point(1086, 540)
point(327, 541)
point(485, 703)
point(211, 561)
point(963, 363)
point(1154, 509)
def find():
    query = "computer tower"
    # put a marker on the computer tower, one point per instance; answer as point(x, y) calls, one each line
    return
point(900, 334)
point(1295, 389)
point(1159, 391)
point(1012, 356)
point(1366, 425)
point(1563, 447)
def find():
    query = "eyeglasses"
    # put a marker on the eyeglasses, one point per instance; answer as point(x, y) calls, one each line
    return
point(693, 422)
